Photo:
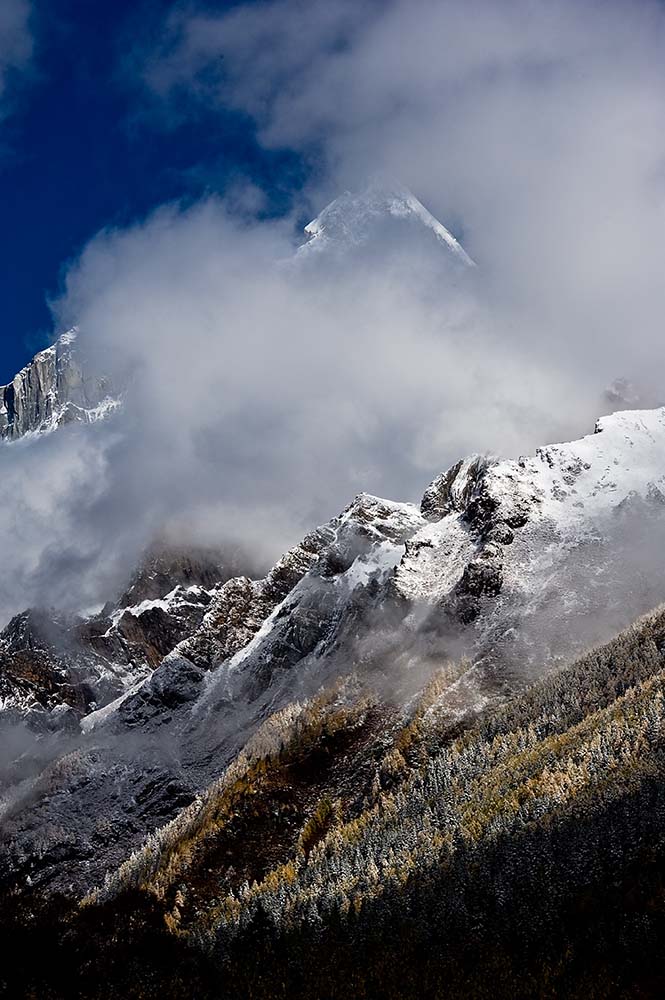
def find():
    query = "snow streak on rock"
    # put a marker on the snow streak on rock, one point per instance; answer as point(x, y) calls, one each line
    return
point(51, 391)
point(352, 219)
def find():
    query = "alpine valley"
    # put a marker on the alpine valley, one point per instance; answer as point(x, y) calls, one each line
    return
point(421, 756)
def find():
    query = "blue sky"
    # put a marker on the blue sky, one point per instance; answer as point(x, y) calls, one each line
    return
point(81, 151)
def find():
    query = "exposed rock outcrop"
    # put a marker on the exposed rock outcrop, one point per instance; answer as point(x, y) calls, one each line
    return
point(51, 391)
point(50, 662)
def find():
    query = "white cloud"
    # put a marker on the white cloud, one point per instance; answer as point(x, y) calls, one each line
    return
point(263, 397)
point(535, 127)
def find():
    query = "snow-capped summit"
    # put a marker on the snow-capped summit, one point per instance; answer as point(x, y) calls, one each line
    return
point(352, 219)
point(52, 390)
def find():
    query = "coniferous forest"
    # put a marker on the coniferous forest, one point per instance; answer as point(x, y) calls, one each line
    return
point(354, 849)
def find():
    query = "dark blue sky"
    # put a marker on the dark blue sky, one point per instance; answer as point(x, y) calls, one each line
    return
point(79, 154)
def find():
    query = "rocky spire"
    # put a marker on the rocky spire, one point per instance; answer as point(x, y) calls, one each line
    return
point(52, 390)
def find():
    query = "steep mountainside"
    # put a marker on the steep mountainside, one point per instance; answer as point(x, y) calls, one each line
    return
point(51, 391)
point(56, 668)
point(504, 554)
point(415, 831)
point(507, 569)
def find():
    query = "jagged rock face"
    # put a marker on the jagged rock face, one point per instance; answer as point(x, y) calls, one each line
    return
point(452, 490)
point(241, 605)
point(255, 631)
point(49, 663)
point(51, 391)
point(141, 636)
point(165, 567)
point(36, 675)
point(165, 602)
point(517, 544)
point(55, 670)
point(191, 717)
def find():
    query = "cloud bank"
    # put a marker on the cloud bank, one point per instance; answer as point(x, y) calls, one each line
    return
point(264, 396)
point(535, 128)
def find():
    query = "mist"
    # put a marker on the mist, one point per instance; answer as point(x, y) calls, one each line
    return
point(16, 44)
point(534, 130)
point(262, 396)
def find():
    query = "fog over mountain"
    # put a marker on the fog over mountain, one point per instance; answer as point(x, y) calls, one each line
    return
point(546, 163)
point(532, 131)
point(226, 430)
point(251, 417)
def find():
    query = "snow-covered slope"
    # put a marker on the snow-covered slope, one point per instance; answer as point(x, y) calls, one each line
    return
point(356, 219)
point(515, 564)
point(51, 391)
point(516, 547)
point(518, 563)
point(564, 485)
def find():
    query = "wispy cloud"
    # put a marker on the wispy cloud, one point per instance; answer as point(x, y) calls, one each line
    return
point(16, 42)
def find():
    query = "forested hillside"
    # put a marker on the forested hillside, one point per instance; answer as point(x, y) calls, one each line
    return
point(357, 849)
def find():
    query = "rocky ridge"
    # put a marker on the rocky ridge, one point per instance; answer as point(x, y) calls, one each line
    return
point(51, 391)
point(498, 572)
point(494, 552)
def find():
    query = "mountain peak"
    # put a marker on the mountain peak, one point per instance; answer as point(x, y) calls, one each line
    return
point(350, 220)
point(53, 390)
